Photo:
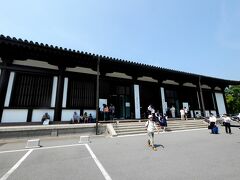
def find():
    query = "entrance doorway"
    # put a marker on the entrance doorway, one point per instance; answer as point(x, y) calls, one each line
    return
point(122, 106)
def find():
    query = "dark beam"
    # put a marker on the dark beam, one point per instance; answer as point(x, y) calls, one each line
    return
point(4, 78)
point(59, 94)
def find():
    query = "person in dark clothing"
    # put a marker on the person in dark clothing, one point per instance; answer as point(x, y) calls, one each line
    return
point(45, 119)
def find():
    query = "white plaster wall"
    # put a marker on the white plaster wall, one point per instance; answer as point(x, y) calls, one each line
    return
point(191, 112)
point(14, 115)
point(38, 113)
point(214, 112)
point(54, 91)
point(170, 82)
point(164, 106)
point(118, 75)
point(65, 89)
point(137, 101)
point(9, 89)
point(34, 63)
point(204, 86)
point(146, 78)
point(82, 70)
point(217, 88)
point(207, 113)
point(189, 85)
point(220, 103)
point(67, 114)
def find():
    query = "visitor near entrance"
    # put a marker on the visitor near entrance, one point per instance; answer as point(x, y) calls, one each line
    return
point(105, 112)
point(172, 109)
point(182, 113)
point(151, 110)
point(185, 113)
point(112, 111)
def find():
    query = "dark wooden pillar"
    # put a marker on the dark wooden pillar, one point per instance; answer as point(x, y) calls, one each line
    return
point(4, 78)
point(97, 94)
point(29, 115)
point(215, 101)
point(160, 85)
point(59, 94)
point(201, 96)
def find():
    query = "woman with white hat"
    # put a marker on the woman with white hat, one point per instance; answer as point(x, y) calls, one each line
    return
point(151, 125)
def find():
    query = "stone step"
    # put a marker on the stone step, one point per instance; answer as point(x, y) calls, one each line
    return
point(129, 128)
point(170, 125)
point(169, 122)
point(144, 131)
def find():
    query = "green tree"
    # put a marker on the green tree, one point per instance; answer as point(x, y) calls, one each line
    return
point(233, 99)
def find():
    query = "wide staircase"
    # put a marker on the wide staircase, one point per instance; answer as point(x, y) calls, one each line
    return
point(138, 127)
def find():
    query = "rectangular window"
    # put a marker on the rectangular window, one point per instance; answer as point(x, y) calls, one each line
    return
point(31, 91)
point(208, 100)
point(81, 93)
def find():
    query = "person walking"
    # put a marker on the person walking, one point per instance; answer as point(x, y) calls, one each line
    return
point(151, 125)
point(227, 124)
point(164, 122)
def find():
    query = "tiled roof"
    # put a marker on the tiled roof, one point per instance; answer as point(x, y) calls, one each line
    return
point(19, 42)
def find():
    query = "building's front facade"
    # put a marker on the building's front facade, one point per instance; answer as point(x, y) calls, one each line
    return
point(37, 78)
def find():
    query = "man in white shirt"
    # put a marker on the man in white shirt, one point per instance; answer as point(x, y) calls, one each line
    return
point(227, 120)
point(182, 114)
point(212, 122)
point(151, 125)
point(172, 109)
point(151, 109)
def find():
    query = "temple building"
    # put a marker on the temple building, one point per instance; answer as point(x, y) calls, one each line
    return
point(36, 78)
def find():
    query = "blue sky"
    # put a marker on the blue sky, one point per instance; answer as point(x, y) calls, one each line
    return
point(197, 36)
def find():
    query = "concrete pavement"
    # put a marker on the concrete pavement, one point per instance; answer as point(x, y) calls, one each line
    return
point(194, 154)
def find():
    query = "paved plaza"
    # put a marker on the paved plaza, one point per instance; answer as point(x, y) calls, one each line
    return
point(193, 155)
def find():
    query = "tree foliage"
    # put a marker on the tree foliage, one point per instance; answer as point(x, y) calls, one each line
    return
point(233, 99)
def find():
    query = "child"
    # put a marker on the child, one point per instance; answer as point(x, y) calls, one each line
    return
point(150, 125)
